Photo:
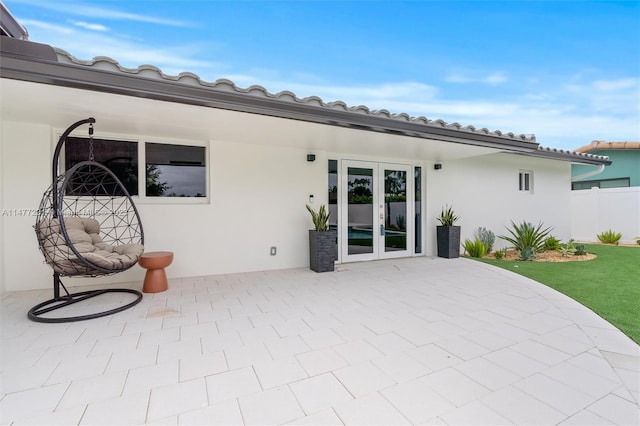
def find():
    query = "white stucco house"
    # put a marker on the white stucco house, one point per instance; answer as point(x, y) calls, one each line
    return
point(237, 166)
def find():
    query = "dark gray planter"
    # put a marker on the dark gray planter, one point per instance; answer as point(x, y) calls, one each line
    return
point(448, 241)
point(323, 250)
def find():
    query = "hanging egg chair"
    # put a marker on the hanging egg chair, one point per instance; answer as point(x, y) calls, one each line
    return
point(87, 226)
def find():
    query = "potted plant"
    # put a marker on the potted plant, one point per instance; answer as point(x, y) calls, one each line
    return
point(448, 234)
point(323, 247)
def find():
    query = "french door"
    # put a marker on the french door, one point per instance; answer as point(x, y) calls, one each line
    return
point(377, 210)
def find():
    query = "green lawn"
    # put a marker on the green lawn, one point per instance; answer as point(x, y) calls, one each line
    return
point(609, 285)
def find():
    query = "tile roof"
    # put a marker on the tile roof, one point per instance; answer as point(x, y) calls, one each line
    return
point(149, 71)
point(29, 61)
point(568, 155)
point(601, 145)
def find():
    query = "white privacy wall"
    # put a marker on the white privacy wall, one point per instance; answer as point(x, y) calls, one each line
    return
point(596, 210)
point(257, 199)
point(484, 192)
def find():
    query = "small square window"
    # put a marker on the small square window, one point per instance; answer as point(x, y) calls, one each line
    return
point(526, 181)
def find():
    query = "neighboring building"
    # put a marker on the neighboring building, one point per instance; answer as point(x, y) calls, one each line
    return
point(613, 197)
point(9, 26)
point(624, 170)
point(221, 175)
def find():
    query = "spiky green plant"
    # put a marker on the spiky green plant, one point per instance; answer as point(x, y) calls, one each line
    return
point(447, 216)
point(475, 248)
point(320, 218)
point(609, 237)
point(487, 237)
point(528, 253)
point(525, 235)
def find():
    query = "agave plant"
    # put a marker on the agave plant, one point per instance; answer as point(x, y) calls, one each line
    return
point(580, 250)
point(320, 218)
point(567, 249)
point(447, 217)
point(525, 235)
point(528, 253)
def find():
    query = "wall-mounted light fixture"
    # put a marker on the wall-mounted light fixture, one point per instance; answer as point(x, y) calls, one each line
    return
point(437, 166)
point(311, 157)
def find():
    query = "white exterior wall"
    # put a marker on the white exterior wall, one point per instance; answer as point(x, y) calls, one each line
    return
point(484, 192)
point(26, 170)
point(257, 199)
point(596, 210)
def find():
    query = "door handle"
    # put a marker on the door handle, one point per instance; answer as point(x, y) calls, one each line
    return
point(382, 230)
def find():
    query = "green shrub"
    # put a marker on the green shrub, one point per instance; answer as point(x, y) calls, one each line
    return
point(609, 237)
point(580, 250)
point(551, 243)
point(638, 241)
point(487, 237)
point(500, 254)
point(475, 248)
point(525, 235)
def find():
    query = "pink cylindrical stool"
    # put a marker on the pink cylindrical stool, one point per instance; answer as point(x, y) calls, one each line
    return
point(155, 280)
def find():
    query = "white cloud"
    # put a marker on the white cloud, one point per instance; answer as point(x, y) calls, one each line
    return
point(78, 9)
point(619, 96)
point(464, 78)
point(88, 26)
point(85, 45)
point(615, 85)
point(50, 28)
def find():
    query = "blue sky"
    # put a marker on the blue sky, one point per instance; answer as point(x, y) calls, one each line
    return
point(569, 72)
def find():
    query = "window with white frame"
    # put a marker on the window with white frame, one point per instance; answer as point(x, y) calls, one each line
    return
point(175, 170)
point(170, 170)
point(526, 181)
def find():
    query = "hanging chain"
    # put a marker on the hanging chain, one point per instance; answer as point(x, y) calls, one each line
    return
point(90, 141)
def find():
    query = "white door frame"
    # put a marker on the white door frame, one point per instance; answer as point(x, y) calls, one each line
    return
point(377, 225)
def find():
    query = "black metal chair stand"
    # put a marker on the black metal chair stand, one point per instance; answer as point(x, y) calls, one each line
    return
point(87, 226)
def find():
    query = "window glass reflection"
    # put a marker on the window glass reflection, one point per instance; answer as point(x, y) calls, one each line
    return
point(121, 157)
point(175, 170)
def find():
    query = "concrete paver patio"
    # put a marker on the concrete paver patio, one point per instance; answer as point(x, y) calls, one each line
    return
point(408, 341)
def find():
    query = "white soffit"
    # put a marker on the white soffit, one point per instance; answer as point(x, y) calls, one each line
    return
point(117, 114)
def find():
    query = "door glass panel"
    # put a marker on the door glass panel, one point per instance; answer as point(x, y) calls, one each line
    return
point(395, 205)
point(360, 210)
point(417, 227)
point(333, 195)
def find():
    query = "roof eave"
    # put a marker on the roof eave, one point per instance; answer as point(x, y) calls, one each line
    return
point(47, 71)
point(573, 157)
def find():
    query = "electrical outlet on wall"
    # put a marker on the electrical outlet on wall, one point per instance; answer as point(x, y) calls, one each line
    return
point(273, 250)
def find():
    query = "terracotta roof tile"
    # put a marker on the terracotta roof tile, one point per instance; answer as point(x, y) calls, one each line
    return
point(600, 145)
